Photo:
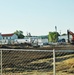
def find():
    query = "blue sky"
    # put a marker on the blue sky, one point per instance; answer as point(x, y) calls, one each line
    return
point(36, 16)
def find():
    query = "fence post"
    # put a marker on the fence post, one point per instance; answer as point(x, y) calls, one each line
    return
point(54, 69)
point(1, 62)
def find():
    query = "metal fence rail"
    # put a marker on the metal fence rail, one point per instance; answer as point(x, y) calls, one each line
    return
point(36, 62)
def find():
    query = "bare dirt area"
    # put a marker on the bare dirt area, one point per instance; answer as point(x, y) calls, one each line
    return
point(44, 47)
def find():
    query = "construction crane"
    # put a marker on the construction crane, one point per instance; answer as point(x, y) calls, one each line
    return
point(70, 33)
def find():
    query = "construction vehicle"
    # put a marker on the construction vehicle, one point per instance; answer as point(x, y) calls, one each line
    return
point(70, 40)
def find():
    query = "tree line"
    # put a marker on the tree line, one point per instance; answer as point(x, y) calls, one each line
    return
point(51, 36)
point(20, 34)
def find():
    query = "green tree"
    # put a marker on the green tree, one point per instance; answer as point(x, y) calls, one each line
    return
point(53, 36)
point(19, 33)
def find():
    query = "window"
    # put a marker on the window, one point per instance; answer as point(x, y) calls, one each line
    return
point(9, 37)
point(3, 37)
point(6, 37)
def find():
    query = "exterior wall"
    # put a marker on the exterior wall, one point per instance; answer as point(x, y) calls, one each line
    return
point(5, 37)
point(3, 41)
point(8, 39)
point(32, 40)
point(1, 37)
point(17, 41)
point(42, 41)
point(14, 37)
point(65, 37)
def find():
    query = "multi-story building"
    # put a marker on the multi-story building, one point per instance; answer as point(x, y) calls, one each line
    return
point(7, 38)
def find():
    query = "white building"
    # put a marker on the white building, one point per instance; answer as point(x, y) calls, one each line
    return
point(7, 38)
point(64, 37)
point(40, 40)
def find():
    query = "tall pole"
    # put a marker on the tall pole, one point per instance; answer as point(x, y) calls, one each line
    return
point(68, 36)
point(54, 68)
point(55, 28)
point(56, 33)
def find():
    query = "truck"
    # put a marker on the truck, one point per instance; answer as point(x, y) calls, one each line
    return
point(70, 33)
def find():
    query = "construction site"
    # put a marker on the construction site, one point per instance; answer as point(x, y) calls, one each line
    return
point(34, 59)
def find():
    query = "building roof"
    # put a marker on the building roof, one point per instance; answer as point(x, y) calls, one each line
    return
point(43, 37)
point(7, 34)
point(38, 37)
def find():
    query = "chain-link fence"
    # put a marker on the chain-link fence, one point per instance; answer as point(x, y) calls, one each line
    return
point(64, 62)
point(36, 62)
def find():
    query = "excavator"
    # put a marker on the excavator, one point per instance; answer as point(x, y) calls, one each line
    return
point(71, 41)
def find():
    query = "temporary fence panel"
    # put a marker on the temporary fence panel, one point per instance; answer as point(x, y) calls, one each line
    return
point(64, 62)
point(36, 62)
point(27, 62)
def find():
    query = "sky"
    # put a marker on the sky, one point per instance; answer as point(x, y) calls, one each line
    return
point(38, 17)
